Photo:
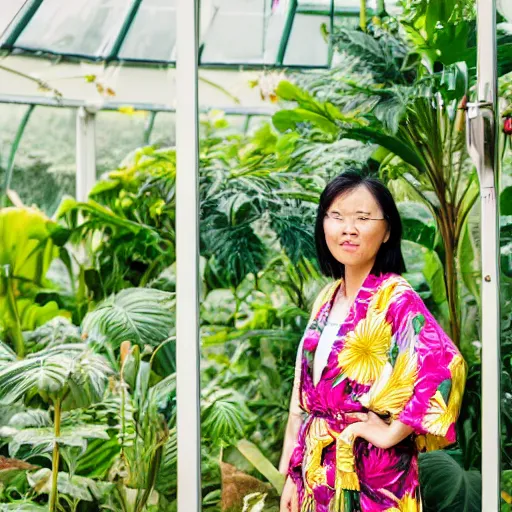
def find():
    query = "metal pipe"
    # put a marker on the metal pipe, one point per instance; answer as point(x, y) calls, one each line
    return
point(14, 150)
point(46, 54)
point(287, 31)
point(482, 145)
point(127, 23)
point(17, 26)
point(116, 105)
point(188, 388)
point(330, 53)
point(148, 128)
point(85, 153)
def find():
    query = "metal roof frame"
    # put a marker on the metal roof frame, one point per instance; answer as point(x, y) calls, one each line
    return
point(9, 39)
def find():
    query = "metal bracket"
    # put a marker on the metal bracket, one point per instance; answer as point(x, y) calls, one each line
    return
point(480, 136)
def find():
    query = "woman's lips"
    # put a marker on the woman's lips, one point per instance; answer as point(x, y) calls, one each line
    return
point(347, 246)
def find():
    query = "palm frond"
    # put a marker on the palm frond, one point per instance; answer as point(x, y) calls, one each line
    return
point(139, 315)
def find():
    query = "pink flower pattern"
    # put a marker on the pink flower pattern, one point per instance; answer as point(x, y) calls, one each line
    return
point(385, 478)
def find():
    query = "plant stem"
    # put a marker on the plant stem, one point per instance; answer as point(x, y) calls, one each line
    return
point(56, 456)
point(362, 15)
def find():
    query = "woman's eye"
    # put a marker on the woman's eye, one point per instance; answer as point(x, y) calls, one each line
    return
point(363, 218)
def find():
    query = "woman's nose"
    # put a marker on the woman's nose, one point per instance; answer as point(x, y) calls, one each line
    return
point(349, 227)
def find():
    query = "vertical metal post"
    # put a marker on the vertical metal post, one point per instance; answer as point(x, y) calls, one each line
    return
point(287, 31)
point(482, 144)
point(14, 149)
point(187, 258)
point(85, 152)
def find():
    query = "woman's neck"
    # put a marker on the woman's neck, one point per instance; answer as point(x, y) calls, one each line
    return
point(354, 279)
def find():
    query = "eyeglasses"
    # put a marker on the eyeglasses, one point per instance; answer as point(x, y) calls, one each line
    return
point(358, 220)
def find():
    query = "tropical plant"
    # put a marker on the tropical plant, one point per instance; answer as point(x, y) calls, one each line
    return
point(64, 376)
point(29, 242)
point(420, 133)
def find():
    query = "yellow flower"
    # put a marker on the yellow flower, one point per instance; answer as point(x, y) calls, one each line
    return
point(382, 299)
point(407, 504)
point(366, 348)
point(392, 395)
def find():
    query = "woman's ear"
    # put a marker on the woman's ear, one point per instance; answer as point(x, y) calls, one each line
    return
point(386, 237)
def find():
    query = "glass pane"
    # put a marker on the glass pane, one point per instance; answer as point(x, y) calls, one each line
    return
point(44, 167)
point(315, 53)
point(234, 32)
point(8, 12)
point(164, 130)
point(152, 35)
point(117, 135)
point(84, 27)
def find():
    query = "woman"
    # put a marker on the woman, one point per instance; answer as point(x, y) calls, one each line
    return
point(377, 380)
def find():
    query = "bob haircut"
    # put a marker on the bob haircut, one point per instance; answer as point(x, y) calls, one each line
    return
point(389, 257)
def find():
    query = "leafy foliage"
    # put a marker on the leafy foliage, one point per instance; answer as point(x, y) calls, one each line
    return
point(446, 486)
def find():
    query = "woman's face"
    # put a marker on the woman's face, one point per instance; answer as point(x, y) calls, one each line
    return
point(352, 233)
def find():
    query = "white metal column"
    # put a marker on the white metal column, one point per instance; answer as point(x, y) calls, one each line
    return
point(482, 143)
point(85, 152)
point(187, 259)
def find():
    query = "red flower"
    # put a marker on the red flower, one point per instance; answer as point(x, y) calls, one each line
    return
point(507, 125)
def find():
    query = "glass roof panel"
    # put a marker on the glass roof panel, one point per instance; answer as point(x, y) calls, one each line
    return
point(8, 12)
point(78, 27)
point(316, 51)
point(234, 32)
point(152, 36)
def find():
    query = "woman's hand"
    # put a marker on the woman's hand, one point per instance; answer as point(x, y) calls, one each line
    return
point(376, 431)
point(289, 497)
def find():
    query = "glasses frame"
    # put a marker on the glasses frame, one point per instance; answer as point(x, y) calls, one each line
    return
point(329, 216)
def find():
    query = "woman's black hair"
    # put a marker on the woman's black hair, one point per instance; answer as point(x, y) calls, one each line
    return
point(389, 258)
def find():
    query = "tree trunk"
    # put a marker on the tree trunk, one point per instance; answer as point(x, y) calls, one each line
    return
point(447, 228)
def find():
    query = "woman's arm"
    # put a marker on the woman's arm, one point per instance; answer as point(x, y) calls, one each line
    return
point(294, 417)
point(377, 432)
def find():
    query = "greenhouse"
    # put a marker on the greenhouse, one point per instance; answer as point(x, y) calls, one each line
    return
point(162, 163)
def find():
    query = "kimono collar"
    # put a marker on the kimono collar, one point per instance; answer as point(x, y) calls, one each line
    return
point(367, 289)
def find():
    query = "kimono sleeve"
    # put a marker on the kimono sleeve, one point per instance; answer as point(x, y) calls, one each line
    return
point(439, 372)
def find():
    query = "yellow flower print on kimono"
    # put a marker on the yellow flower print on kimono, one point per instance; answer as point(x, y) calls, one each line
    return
point(390, 357)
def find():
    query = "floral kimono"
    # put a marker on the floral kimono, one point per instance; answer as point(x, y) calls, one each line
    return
point(391, 357)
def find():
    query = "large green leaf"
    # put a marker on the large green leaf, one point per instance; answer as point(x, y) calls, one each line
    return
point(289, 119)
point(26, 244)
point(22, 506)
point(26, 252)
point(418, 224)
point(224, 416)
point(42, 439)
point(468, 261)
point(70, 370)
point(446, 487)
point(506, 201)
point(75, 486)
point(251, 452)
point(98, 458)
point(70, 208)
point(143, 316)
point(391, 142)
point(57, 331)
point(7, 355)
point(167, 474)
